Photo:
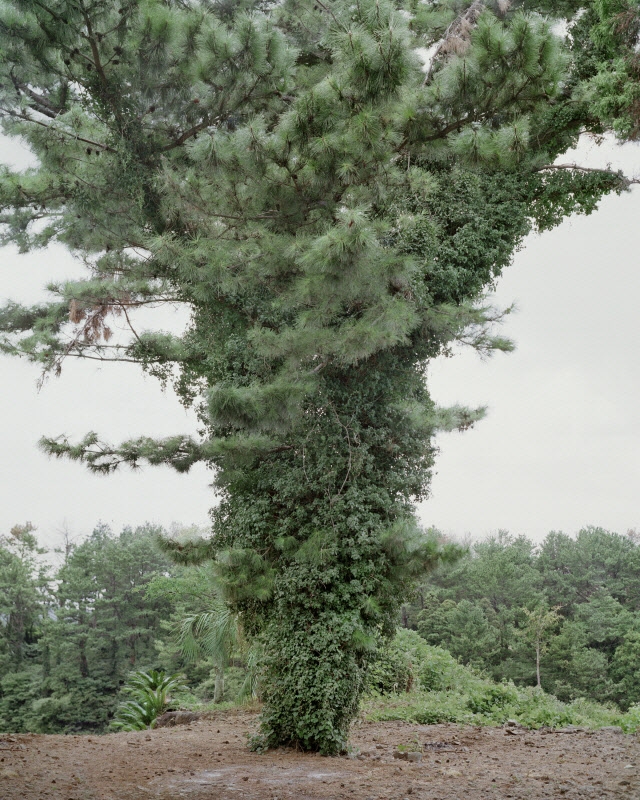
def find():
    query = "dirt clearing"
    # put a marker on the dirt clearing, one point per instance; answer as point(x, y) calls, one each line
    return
point(208, 759)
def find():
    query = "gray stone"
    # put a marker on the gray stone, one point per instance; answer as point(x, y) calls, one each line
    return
point(171, 718)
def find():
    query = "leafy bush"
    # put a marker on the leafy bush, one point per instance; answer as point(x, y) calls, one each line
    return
point(149, 699)
point(488, 699)
point(408, 662)
point(18, 691)
point(630, 722)
point(393, 670)
point(439, 671)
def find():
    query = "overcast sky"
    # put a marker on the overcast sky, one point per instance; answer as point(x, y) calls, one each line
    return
point(559, 449)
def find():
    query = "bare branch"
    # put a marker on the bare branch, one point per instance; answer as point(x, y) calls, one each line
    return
point(187, 135)
point(456, 37)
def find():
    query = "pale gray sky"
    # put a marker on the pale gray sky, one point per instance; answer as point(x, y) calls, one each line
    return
point(559, 448)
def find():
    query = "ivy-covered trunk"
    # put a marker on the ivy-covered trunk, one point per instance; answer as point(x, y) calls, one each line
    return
point(317, 545)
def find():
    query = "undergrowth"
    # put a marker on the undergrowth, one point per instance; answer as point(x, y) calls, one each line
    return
point(417, 682)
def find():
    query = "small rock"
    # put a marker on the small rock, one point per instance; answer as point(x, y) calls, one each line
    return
point(171, 718)
point(539, 776)
point(414, 757)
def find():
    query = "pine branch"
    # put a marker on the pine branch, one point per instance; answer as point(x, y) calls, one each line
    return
point(179, 452)
point(24, 117)
point(624, 180)
point(41, 104)
point(327, 10)
point(186, 135)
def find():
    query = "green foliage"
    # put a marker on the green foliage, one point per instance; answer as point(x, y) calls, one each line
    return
point(23, 584)
point(73, 636)
point(394, 670)
point(19, 693)
point(331, 216)
point(463, 696)
point(492, 699)
point(149, 697)
point(625, 669)
point(592, 653)
point(608, 34)
point(217, 634)
point(493, 610)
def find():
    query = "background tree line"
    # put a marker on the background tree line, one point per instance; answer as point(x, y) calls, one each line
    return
point(572, 602)
point(70, 634)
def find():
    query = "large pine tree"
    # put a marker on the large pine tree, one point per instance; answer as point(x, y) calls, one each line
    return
point(331, 213)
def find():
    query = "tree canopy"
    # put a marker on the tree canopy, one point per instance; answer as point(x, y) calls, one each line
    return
point(331, 213)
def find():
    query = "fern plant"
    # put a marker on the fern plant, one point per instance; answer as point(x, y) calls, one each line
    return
point(149, 698)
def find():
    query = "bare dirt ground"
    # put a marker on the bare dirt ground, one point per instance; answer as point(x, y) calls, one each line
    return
point(209, 760)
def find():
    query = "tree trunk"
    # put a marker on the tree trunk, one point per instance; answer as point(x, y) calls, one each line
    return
point(218, 689)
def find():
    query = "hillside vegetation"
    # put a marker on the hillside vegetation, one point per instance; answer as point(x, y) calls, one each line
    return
point(468, 649)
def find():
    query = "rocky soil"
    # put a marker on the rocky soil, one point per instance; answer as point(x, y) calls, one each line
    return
point(208, 758)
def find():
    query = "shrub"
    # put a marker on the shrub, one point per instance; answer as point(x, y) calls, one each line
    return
point(442, 690)
point(490, 698)
point(149, 699)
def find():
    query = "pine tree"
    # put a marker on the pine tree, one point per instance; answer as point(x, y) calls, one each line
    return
point(330, 214)
point(23, 595)
point(101, 627)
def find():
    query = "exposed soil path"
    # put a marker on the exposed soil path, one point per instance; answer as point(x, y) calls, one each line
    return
point(209, 760)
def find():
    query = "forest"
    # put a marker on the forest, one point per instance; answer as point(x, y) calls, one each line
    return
point(76, 624)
